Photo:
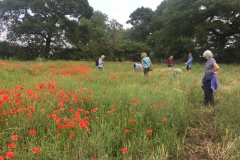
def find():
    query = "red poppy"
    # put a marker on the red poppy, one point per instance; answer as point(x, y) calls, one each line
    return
point(36, 150)
point(32, 131)
point(165, 119)
point(124, 150)
point(71, 110)
point(135, 101)
point(15, 137)
point(115, 104)
point(4, 113)
point(9, 155)
point(126, 131)
point(95, 109)
point(155, 106)
point(149, 131)
point(1, 157)
point(71, 135)
point(6, 97)
point(132, 121)
point(165, 104)
point(12, 145)
point(58, 135)
point(70, 124)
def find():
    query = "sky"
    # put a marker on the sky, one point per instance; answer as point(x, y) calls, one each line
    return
point(121, 9)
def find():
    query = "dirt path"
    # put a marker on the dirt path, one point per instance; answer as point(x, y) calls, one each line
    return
point(202, 140)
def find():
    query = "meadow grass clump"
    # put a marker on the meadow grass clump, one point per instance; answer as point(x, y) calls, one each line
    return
point(71, 110)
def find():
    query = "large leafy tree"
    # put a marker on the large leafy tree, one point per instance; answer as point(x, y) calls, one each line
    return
point(42, 22)
point(140, 20)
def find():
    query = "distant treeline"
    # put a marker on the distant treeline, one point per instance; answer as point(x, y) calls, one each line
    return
point(72, 30)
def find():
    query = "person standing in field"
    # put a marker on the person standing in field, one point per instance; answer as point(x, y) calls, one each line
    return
point(170, 62)
point(210, 80)
point(146, 63)
point(189, 63)
point(101, 62)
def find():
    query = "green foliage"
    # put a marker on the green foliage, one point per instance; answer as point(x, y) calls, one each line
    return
point(194, 26)
point(41, 23)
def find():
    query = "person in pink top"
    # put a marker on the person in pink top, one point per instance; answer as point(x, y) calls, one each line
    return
point(170, 62)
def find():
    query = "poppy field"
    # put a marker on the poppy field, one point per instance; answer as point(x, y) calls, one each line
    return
point(71, 110)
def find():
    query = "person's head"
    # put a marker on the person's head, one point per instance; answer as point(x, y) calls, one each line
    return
point(207, 54)
point(171, 57)
point(102, 56)
point(189, 54)
point(144, 54)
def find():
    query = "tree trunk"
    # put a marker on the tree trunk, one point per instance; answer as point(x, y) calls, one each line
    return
point(48, 45)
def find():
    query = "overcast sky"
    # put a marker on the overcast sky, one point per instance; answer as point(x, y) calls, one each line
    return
point(121, 9)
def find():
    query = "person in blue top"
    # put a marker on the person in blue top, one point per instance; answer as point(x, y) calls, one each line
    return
point(146, 63)
point(100, 62)
point(210, 81)
point(189, 62)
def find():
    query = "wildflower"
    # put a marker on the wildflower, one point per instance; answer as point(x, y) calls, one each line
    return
point(114, 110)
point(124, 150)
point(1, 157)
point(115, 104)
point(165, 119)
point(95, 109)
point(155, 106)
point(32, 132)
point(132, 121)
point(4, 113)
point(135, 101)
point(60, 104)
point(6, 97)
point(36, 150)
point(89, 92)
point(12, 145)
point(15, 137)
point(149, 131)
point(9, 155)
point(71, 124)
point(41, 86)
point(72, 135)
point(58, 135)
point(165, 104)
point(71, 110)
point(126, 131)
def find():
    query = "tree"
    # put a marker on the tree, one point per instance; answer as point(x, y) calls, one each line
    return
point(196, 25)
point(113, 27)
point(140, 20)
point(42, 22)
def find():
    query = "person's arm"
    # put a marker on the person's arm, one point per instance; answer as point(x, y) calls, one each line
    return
point(215, 68)
point(188, 61)
point(142, 66)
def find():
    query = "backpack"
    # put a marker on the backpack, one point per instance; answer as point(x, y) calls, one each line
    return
point(97, 62)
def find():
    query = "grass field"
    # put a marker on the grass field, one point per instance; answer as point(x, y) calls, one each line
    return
point(72, 111)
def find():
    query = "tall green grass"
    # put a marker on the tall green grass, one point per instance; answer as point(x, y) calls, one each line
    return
point(156, 110)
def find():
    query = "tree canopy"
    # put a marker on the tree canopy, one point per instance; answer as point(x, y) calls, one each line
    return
point(41, 22)
point(71, 29)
